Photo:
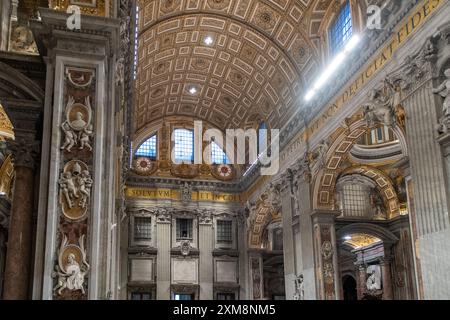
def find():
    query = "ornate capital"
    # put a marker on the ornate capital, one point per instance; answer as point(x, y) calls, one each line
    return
point(25, 152)
point(163, 216)
point(205, 216)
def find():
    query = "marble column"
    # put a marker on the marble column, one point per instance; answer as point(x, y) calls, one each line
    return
point(327, 272)
point(386, 278)
point(360, 279)
point(18, 256)
point(5, 209)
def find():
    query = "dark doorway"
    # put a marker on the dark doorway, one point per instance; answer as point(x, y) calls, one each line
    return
point(349, 286)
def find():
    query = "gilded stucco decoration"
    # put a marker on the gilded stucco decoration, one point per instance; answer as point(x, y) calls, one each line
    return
point(6, 127)
point(360, 240)
point(336, 160)
point(90, 7)
point(6, 176)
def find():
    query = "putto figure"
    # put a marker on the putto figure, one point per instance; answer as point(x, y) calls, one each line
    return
point(75, 185)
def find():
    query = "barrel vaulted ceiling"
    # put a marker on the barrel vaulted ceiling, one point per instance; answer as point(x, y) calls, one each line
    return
point(263, 56)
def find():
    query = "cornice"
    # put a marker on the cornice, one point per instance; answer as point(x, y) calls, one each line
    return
point(169, 182)
point(53, 25)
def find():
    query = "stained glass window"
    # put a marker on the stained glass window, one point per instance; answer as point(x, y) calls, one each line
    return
point(184, 145)
point(148, 148)
point(218, 156)
point(341, 30)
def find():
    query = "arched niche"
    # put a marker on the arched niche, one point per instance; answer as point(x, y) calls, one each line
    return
point(336, 162)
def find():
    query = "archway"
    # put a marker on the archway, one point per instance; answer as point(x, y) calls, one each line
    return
point(349, 288)
point(265, 236)
point(364, 253)
point(335, 160)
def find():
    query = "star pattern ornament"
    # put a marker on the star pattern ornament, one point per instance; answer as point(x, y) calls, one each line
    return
point(223, 172)
point(143, 166)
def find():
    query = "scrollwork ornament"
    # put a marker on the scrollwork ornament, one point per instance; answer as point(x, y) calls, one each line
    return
point(163, 215)
point(205, 216)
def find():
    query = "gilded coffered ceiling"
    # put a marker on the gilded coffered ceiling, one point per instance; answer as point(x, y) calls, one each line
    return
point(262, 56)
point(360, 240)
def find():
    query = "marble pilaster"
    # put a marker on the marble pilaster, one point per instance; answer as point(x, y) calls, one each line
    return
point(256, 275)
point(244, 272)
point(360, 269)
point(386, 278)
point(91, 53)
point(287, 212)
point(430, 217)
point(205, 246)
point(163, 244)
point(327, 272)
point(303, 234)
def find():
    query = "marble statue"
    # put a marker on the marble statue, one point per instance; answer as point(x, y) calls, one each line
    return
point(381, 106)
point(67, 188)
point(371, 282)
point(377, 205)
point(75, 184)
point(299, 288)
point(84, 185)
point(120, 72)
point(444, 91)
point(322, 150)
point(71, 273)
point(69, 138)
point(77, 131)
point(85, 137)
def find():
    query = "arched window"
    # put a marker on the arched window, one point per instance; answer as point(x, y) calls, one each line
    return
point(218, 156)
point(262, 138)
point(341, 30)
point(148, 148)
point(184, 145)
